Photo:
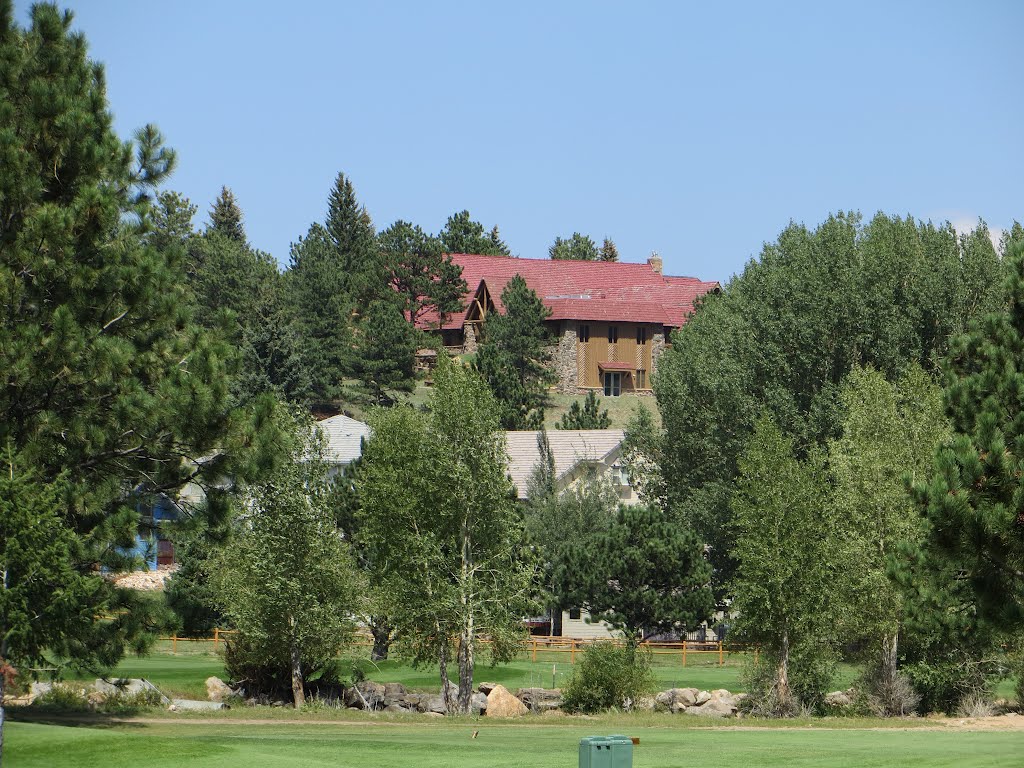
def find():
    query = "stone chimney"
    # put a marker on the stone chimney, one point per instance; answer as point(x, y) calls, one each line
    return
point(654, 261)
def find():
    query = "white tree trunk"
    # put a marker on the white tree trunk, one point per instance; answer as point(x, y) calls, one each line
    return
point(298, 692)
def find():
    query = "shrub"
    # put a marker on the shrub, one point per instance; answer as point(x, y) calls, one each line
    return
point(975, 705)
point(609, 675)
point(63, 698)
point(811, 670)
point(248, 665)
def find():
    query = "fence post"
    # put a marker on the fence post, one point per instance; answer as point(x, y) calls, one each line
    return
point(174, 644)
point(684, 650)
point(721, 655)
point(572, 650)
point(535, 648)
point(216, 637)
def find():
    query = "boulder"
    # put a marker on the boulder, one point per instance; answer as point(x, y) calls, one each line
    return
point(217, 689)
point(178, 705)
point(675, 699)
point(838, 699)
point(128, 686)
point(365, 695)
point(540, 699)
point(702, 698)
point(644, 704)
point(431, 704)
point(501, 703)
point(394, 691)
point(486, 688)
point(478, 704)
point(721, 704)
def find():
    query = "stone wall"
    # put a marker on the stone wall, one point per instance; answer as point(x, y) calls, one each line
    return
point(563, 356)
point(469, 338)
point(657, 347)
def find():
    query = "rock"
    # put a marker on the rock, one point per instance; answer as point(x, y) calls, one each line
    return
point(540, 699)
point(127, 686)
point(724, 698)
point(432, 704)
point(365, 695)
point(713, 708)
point(478, 704)
point(675, 700)
point(501, 703)
point(702, 698)
point(394, 691)
point(644, 704)
point(35, 690)
point(486, 688)
point(838, 699)
point(183, 704)
point(217, 689)
point(434, 714)
point(397, 709)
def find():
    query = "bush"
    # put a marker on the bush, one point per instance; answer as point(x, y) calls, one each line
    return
point(609, 675)
point(811, 670)
point(943, 684)
point(63, 698)
point(247, 665)
point(885, 696)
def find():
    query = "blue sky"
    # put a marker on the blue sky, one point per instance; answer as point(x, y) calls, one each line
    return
point(695, 130)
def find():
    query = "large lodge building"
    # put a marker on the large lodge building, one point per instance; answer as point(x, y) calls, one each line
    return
point(610, 321)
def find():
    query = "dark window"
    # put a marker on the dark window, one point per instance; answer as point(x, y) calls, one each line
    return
point(641, 378)
point(583, 334)
point(574, 613)
point(613, 334)
point(641, 336)
point(612, 384)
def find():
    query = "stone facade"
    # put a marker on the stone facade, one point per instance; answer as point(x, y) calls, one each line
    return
point(657, 347)
point(469, 343)
point(563, 355)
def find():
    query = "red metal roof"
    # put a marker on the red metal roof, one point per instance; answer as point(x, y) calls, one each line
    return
point(583, 290)
point(615, 365)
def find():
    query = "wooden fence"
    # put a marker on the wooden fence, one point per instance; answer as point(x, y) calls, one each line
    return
point(682, 650)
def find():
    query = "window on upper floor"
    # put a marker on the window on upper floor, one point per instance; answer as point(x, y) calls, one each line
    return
point(583, 334)
point(613, 334)
point(641, 336)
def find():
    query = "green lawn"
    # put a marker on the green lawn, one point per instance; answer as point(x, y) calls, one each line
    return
point(419, 744)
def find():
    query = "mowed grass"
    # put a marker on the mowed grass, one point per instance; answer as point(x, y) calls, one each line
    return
point(437, 744)
point(183, 674)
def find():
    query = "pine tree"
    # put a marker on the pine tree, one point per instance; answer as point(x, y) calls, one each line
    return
point(111, 389)
point(608, 251)
point(360, 269)
point(386, 352)
point(424, 279)
point(226, 217)
point(974, 501)
point(578, 247)
point(318, 290)
point(590, 416)
point(463, 235)
point(513, 357)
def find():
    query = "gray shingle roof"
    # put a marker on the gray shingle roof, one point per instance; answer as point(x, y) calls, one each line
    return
point(344, 437)
point(570, 447)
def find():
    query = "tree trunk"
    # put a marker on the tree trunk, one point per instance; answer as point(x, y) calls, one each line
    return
point(782, 677)
point(298, 694)
point(887, 683)
point(381, 629)
point(3, 681)
point(466, 664)
point(446, 684)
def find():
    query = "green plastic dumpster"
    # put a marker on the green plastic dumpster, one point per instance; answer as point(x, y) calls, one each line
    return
point(606, 752)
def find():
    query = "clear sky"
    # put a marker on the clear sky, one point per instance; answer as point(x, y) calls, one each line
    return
point(698, 130)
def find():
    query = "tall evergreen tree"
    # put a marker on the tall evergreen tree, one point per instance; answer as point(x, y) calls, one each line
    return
point(111, 389)
point(318, 290)
point(463, 235)
point(422, 277)
point(974, 501)
point(513, 358)
point(360, 267)
point(608, 251)
point(578, 247)
point(226, 217)
point(172, 221)
point(386, 352)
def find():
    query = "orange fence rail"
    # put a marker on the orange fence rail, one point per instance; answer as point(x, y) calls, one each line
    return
point(546, 644)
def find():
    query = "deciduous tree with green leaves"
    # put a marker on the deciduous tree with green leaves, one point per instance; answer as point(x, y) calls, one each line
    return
point(439, 514)
point(513, 357)
point(890, 432)
point(286, 578)
point(789, 569)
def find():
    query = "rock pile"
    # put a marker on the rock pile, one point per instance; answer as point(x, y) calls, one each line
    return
point(691, 701)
